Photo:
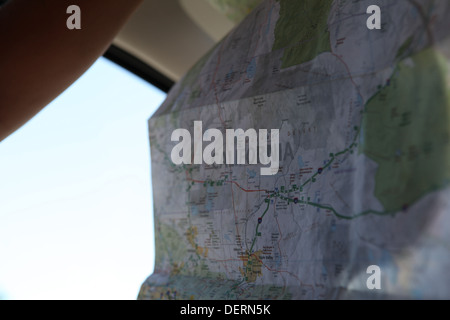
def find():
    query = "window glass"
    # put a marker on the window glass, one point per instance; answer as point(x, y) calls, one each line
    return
point(75, 193)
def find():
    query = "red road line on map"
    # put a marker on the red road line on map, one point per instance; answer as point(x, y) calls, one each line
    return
point(246, 190)
point(348, 72)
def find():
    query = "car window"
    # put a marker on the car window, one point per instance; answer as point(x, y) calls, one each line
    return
point(75, 193)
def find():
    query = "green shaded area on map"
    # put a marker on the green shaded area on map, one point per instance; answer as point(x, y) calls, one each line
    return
point(406, 131)
point(235, 10)
point(302, 30)
point(168, 241)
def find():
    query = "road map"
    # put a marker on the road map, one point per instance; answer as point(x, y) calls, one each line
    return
point(364, 123)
